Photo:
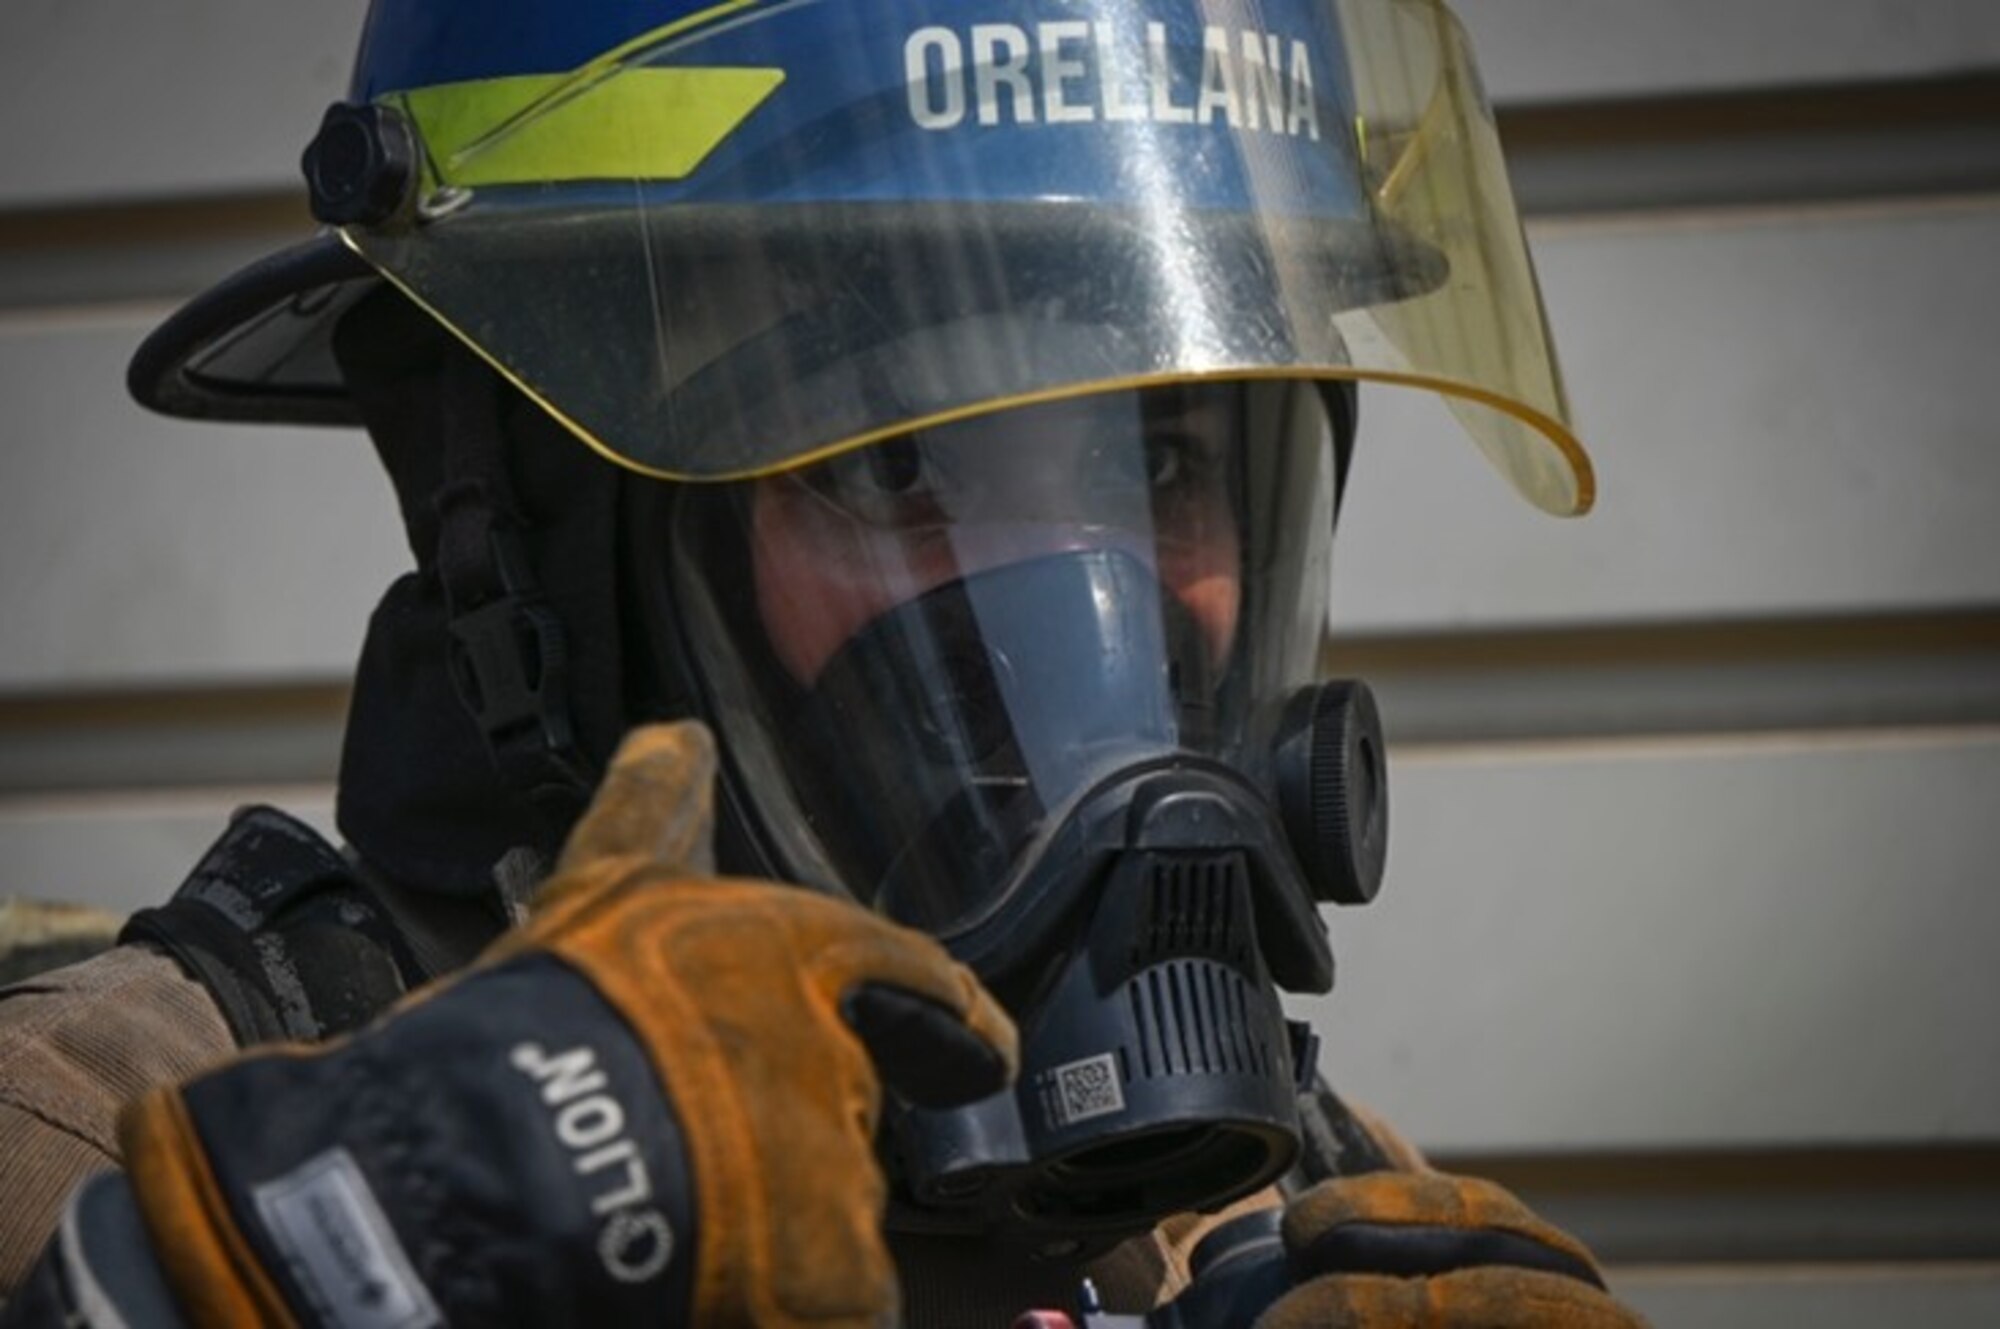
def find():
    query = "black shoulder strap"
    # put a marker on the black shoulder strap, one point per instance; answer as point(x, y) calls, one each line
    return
point(287, 936)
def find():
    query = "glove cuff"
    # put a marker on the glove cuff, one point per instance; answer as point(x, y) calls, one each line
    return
point(499, 1153)
point(206, 1258)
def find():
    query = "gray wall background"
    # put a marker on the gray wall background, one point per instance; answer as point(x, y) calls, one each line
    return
point(1691, 918)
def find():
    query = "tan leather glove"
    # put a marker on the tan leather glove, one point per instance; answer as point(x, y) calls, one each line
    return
point(1422, 1250)
point(655, 1103)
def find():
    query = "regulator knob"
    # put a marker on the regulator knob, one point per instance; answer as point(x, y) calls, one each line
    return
point(1333, 789)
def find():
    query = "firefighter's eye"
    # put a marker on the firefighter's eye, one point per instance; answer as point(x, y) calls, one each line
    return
point(890, 484)
point(895, 467)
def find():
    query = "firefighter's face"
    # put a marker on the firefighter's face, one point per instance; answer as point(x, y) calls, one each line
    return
point(840, 543)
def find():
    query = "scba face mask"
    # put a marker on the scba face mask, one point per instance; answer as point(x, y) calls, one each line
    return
point(1038, 683)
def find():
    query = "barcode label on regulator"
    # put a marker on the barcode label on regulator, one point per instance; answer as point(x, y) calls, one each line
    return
point(1084, 1089)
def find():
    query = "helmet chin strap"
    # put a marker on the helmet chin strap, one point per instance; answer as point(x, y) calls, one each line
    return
point(425, 799)
point(509, 657)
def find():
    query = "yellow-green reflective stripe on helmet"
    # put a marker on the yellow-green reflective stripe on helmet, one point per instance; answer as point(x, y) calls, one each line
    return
point(646, 124)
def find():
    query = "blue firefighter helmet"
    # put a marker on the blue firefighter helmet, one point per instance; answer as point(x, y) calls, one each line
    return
point(718, 240)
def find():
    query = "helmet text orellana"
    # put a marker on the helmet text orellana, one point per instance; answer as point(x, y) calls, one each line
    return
point(1074, 72)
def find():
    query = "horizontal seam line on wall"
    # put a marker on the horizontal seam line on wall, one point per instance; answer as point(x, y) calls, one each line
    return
point(1671, 642)
point(1779, 1166)
point(1718, 742)
point(1657, 1273)
point(158, 800)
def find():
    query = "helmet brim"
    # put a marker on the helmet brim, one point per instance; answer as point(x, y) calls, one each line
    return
point(258, 346)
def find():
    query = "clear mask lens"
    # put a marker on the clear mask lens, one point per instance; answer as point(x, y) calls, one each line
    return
point(927, 650)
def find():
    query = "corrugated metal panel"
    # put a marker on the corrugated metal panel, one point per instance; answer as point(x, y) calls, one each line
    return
point(1562, 50)
point(1786, 417)
point(1759, 148)
point(171, 739)
point(139, 549)
point(1788, 1206)
point(1681, 944)
point(1794, 674)
point(1621, 948)
point(1780, 409)
point(142, 252)
point(1866, 1297)
point(124, 851)
point(108, 99)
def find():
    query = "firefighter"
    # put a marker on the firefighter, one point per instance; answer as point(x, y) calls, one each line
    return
point(949, 410)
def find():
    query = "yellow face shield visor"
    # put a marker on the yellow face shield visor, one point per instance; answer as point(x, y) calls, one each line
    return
point(764, 233)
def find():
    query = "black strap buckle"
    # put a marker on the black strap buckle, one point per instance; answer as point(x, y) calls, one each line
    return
point(511, 669)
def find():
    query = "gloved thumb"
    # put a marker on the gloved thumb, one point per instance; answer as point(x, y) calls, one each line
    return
point(928, 1053)
point(656, 803)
